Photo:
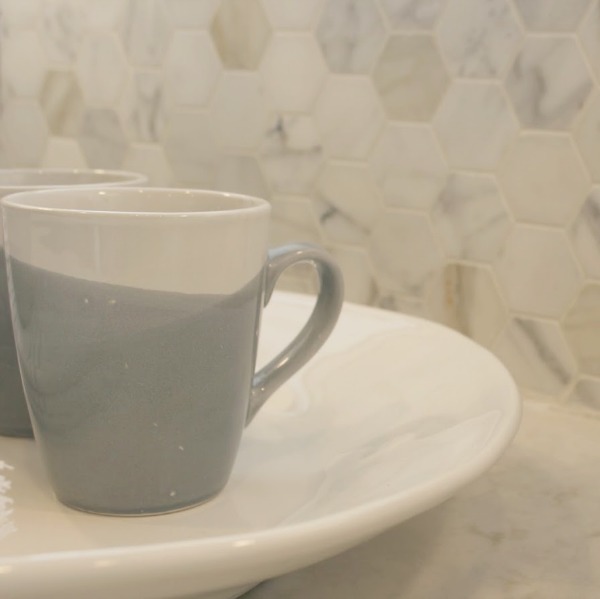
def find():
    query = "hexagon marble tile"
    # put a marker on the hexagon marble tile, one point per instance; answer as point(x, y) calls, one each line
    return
point(410, 77)
point(585, 234)
point(142, 106)
point(291, 14)
point(359, 284)
point(413, 14)
point(536, 353)
point(191, 68)
point(466, 298)
point(551, 15)
point(102, 139)
point(61, 26)
point(190, 148)
point(351, 34)
point(348, 202)
point(61, 152)
point(548, 82)
point(145, 32)
point(24, 63)
point(477, 38)
point(191, 14)
point(543, 178)
point(241, 32)
point(475, 125)
point(101, 70)
point(62, 103)
point(538, 272)
point(396, 239)
point(408, 166)
point(293, 71)
point(586, 134)
point(17, 14)
point(443, 151)
point(291, 152)
point(239, 110)
point(150, 160)
point(349, 116)
point(24, 134)
point(589, 35)
point(582, 329)
point(470, 217)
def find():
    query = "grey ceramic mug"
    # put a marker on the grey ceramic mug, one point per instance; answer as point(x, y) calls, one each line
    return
point(136, 315)
point(14, 419)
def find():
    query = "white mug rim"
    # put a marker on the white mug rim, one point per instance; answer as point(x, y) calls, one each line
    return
point(120, 178)
point(236, 203)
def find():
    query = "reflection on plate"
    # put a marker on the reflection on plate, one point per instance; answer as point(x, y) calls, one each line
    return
point(393, 416)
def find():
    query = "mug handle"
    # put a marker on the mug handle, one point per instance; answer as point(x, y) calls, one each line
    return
point(316, 330)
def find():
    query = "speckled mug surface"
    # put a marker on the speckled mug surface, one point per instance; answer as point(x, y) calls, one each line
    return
point(14, 418)
point(136, 316)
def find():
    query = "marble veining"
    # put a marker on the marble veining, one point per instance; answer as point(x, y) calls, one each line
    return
point(145, 32)
point(408, 166)
point(350, 117)
point(528, 528)
point(478, 37)
point(341, 190)
point(537, 356)
point(470, 217)
point(394, 242)
point(343, 213)
point(63, 26)
point(413, 14)
point(549, 82)
point(142, 106)
point(585, 234)
point(291, 153)
point(475, 125)
point(351, 35)
point(338, 224)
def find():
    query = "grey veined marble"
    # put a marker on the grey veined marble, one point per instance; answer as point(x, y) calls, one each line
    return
point(549, 82)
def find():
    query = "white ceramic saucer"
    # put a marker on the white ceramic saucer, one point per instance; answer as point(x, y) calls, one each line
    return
point(392, 417)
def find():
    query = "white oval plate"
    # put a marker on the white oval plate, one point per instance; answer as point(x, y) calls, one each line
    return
point(392, 417)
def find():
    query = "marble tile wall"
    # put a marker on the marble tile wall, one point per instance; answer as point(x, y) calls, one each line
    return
point(446, 151)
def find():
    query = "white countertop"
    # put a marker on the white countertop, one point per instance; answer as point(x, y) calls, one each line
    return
point(527, 529)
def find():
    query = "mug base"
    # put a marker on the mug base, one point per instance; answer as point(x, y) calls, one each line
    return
point(140, 512)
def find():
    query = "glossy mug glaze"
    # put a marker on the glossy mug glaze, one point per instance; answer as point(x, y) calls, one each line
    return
point(136, 315)
point(14, 418)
